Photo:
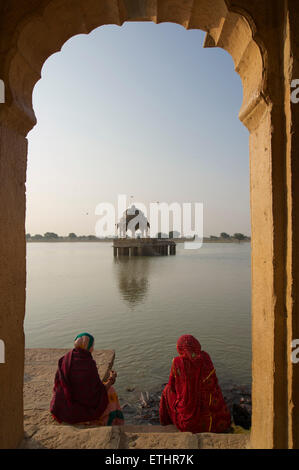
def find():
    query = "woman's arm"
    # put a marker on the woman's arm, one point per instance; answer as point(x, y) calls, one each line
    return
point(107, 384)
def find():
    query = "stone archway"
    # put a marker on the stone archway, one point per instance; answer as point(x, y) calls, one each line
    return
point(256, 34)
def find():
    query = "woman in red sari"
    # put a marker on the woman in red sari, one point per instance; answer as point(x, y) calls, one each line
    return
point(192, 400)
point(79, 395)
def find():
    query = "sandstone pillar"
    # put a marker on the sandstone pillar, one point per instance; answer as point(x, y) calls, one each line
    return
point(13, 152)
point(291, 69)
point(275, 236)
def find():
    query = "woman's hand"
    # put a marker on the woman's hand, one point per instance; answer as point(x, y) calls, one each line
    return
point(112, 377)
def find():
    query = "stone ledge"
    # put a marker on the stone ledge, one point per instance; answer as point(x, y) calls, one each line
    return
point(42, 432)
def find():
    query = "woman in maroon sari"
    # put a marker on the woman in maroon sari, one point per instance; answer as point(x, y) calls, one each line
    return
point(192, 399)
point(79, 395)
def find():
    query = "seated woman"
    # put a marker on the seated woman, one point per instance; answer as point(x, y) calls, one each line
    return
point(79, 395)
point(192, 400)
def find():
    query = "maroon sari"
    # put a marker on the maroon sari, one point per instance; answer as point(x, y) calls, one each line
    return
point(78, 394)
point(192, 400)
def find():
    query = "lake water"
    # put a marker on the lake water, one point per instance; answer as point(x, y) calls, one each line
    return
point(140, 306)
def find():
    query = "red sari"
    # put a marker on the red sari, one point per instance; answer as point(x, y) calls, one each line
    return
point(79, 394)
point(192, 400)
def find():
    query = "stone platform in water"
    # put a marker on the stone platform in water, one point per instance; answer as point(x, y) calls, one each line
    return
point(144, 247)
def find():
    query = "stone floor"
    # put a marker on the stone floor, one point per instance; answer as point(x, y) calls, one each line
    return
point(41, 432)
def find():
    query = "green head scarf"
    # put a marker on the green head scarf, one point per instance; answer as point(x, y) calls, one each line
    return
point(91, 339)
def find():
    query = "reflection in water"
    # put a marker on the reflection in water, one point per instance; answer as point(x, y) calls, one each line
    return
point(132, 274)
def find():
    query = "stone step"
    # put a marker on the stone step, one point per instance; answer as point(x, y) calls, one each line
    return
point(182, 440)
point(41, 432)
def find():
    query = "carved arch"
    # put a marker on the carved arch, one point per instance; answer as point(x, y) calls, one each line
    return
point(43, 33)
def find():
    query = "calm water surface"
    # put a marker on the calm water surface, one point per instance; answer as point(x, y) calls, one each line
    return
point(140, 306)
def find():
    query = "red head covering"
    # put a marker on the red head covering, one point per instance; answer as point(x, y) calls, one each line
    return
point(188, 347)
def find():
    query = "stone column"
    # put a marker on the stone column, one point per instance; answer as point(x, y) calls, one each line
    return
point(172, 250)
point(140, 251)
point(13, 153)
point(274, 177)
point(291, 68)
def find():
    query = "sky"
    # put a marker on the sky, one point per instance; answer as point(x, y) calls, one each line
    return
point(142, 110)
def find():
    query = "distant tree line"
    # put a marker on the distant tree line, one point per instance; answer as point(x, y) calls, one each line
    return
point(222, 236)
point(51, 236)
point(236, 236)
